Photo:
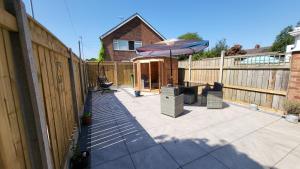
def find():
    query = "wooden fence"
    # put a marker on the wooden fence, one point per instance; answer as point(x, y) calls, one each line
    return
point(260, 79)
point(42, 91)
point(117, 72)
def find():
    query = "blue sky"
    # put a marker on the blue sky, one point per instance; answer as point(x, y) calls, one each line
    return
point(244, 22)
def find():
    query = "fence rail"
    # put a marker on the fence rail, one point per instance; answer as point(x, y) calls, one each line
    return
point(36, 65)
point(260, 79)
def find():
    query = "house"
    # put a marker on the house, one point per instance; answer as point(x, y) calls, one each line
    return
point(121, 41)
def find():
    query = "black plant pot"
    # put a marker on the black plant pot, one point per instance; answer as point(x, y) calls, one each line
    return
point(137, 93)
point(80, 163)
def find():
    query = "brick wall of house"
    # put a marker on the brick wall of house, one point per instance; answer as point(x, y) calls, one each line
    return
point(135, 30)
point(294, 82)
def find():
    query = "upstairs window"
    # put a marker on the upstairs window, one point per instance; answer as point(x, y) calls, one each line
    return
point(125, 45)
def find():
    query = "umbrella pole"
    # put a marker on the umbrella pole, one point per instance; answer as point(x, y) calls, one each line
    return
point(171, 68)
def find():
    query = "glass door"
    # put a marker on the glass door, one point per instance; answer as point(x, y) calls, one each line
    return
point(145, 76)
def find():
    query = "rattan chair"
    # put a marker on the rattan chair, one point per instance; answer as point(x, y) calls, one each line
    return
point(215, 97)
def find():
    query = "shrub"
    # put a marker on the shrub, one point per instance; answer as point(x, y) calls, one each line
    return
point(291, 107)
point(87, 114)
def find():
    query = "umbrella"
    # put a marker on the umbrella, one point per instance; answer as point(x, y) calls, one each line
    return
point(172, 47)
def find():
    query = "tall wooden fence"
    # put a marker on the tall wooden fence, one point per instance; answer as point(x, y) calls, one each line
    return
point(120, 73)
point(260, 79)
point(42, 90)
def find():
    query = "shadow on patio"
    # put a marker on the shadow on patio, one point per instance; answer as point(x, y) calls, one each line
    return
point(117, 140)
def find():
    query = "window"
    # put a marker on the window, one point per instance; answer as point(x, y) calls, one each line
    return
point(131, 45)
point(137, 44)
point(126, 45)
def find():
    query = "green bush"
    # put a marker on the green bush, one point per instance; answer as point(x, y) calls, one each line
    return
point(291, 107)
point(87, 114)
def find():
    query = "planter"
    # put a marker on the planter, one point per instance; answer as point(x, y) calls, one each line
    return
point(87, 120)
point(80, 162)
point(137, 93)
point(293, 118)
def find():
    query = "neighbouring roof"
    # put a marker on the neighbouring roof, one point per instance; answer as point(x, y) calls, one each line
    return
point(258, 50)
point(136, 15)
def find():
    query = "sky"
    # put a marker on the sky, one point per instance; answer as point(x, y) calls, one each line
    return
point(240, 22)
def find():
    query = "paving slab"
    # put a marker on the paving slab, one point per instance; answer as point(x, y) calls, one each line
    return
point(129, 132)
point(123, 162)
point(258, 150)
point(206, 140)
point(184, 151)
point(110, 152)
point(154, 158)
point(207, 162)
point(291, 161)
point(139, 141)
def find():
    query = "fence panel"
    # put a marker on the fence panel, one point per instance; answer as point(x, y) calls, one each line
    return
point(14, 151)
point(51, 62)
point(51, 58)
point(260, 79)
point(117, 72)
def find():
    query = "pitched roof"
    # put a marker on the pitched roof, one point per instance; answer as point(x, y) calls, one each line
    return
point(136, 15)
point(258, 50)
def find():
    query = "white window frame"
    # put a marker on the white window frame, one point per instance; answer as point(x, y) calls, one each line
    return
point(116, 44)
point(140, 42)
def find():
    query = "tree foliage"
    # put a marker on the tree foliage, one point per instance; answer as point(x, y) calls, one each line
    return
point(213, 52)
point(92, 59)
point(102, 56)
point(190, 36)
point(283, 39)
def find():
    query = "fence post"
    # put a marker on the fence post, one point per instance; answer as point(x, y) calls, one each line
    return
point(190, 69)
point(221, 66)
point(116, 73)
point(82, 73)
point(73, 89)
point(35, 120)
point(81, 79)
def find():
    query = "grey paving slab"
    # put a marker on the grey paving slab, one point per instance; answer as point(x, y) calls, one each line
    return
point(138, 141)
point(154, 158)
point(258, 150)
point(235, 159)
point(291, 161)
point(233, 137)
point(131, 127)
point(108, 153)
point(207, 162)
point(123, 162)
point(241, 126)
point(206, 140)
point(166, 133)
point(184, 151)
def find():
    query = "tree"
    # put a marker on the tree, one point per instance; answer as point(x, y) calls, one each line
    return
point(213, 52)
point(92, 59)
point(236, 49)
point(283, 39)
point(190, 36)
point(102, 56)
point(220, 45)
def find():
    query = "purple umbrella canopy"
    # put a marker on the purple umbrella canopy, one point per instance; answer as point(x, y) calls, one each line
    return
point(173, 47)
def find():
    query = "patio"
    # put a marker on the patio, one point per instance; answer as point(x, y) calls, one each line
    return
point(130, 133)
